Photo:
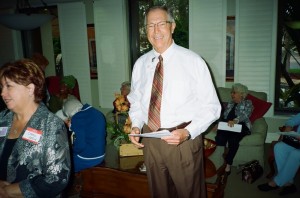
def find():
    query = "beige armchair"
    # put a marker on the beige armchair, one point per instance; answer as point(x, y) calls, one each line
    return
point(251, 146)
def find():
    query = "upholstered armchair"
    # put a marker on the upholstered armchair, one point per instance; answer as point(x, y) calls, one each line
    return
point(251, 146)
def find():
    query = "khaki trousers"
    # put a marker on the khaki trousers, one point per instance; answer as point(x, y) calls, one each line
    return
point(175, 171)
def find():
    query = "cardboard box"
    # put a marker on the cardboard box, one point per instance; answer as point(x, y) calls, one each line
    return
point(129, 150)
point(132, 162)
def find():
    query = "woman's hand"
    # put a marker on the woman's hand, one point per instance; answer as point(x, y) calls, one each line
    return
point(287, 128)
point(3, 183)
point(134, 139)
point(3, 193)
point(231, 123)
point(10, 190)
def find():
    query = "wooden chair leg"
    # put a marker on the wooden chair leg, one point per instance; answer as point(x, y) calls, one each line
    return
point(271, 162)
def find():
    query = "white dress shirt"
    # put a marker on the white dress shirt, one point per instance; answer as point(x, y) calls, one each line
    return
point(188, 90)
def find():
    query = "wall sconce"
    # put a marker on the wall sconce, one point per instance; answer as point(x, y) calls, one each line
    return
point(26, 17)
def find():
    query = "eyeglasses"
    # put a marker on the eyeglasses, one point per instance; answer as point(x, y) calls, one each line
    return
point(160, 25)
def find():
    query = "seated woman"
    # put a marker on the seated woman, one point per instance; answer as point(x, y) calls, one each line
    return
point(89, 133)
point(237, 111)
point(287, 160)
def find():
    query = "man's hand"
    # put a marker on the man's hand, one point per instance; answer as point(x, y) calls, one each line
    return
point(178, 136)
point(135, 140)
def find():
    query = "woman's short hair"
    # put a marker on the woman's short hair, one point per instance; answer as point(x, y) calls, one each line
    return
point(25, 72)
point(240, 88)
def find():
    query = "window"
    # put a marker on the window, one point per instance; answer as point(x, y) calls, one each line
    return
point(287, 91)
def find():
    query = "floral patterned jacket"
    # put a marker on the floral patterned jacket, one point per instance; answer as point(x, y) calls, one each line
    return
point(243, 111)
point(43, 168)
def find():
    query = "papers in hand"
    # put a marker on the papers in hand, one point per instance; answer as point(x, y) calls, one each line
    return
point(290, 133)
point(224, 126)
point(156, 134)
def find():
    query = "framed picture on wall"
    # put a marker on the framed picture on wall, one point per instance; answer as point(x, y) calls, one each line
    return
point(92, 51)
point(230, 40)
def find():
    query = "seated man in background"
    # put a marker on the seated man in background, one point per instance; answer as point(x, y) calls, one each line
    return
point(287, 160)
point(125, 88)
point(122, 98)
point(67, 83)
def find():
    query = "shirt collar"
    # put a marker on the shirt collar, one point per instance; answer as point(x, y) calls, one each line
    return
point(166, 54)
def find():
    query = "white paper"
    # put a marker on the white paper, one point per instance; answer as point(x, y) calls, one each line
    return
point(224, 126)
point(290, 133)
point(156, 134)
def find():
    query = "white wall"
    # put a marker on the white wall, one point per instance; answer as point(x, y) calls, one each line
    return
point(74, 46)
point(112, 46)
point(207, 35)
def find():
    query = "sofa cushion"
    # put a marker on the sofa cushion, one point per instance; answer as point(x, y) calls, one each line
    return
point(255, 139)
point(260, 107)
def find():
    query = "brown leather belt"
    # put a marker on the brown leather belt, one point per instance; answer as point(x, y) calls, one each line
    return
point(180, 126)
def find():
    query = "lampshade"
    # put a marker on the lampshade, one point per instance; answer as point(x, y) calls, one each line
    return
point(21, 21)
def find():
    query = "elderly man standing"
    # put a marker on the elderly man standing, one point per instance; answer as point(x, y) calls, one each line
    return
point(171, 89)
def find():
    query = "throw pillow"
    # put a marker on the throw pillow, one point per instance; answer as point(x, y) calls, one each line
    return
point(260, 107)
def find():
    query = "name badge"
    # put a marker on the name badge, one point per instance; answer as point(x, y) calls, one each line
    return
point(32, 135)
point(3, 131)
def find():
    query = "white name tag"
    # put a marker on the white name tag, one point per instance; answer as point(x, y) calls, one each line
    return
point(32, 135)
point(3, 131)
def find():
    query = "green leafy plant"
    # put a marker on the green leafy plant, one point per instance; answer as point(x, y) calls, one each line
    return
point(116, 130)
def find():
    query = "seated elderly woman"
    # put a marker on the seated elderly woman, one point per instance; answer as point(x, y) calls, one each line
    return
point(287, 160)
point(88, 126)
point(237, 111)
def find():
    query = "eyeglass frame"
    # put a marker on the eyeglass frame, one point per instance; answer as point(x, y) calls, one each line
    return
point(157, 25)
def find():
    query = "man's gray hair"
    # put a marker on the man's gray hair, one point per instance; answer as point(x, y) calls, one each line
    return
point(160, 7)
point(240, 88)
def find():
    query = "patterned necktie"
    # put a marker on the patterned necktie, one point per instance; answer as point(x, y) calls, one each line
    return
point(156, 94)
